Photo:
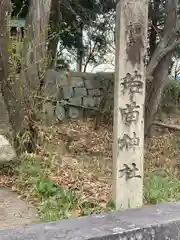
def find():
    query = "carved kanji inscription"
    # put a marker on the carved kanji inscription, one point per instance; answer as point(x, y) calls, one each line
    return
point(126, 142)
point(132, 83)
point(129, 171)
point(130, 114)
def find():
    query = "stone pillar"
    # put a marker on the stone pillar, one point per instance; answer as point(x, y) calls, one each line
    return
point(129, 96)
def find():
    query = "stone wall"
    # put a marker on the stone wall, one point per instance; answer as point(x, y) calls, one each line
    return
point(71, 95)
point(74, 95)
point(161, 222)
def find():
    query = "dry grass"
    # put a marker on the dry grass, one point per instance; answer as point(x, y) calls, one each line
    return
point(82, 160)
point(163, 153)
point(79, 159)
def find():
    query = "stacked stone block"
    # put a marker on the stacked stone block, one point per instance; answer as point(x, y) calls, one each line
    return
point(70, 95)
point(80, 91)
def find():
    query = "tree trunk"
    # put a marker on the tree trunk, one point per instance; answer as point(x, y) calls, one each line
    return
point(6, 89)
point(153, 99)
point(55, 19)
point(15, 106)
point(158, 67)
point(79, 48)
point(153, 28)
point(18, 91)
point(34, 54)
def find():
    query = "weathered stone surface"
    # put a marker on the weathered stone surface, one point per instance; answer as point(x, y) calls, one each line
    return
point(49, 113)
point(89, 102)
point(83, 75)
point(92, 84)
point(67, 92)
point(63, 85)
point(72, 86)
point(75, 112)
point(76, 101)
point(64, 82)
point(105, 77)
point(97, 101)
point(94, 92)
point(77, 82)
point(80, 92)
point(7, 152)
point(60, 112)
point(161, 222)
point(131, 46)
point(62, 77)
point(50, 88)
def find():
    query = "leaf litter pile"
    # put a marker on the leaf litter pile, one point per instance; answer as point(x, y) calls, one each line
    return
point(79, 158)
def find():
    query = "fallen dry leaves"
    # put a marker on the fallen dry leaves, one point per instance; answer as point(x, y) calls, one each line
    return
point(86, 164)
point(80, 158)
point(5, 180)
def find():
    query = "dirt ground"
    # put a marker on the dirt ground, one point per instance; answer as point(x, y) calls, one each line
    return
point(80, 158)
point(14, 212)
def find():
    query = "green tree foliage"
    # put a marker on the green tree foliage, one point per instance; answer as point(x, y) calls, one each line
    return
point(92, 16)
point(19, 8)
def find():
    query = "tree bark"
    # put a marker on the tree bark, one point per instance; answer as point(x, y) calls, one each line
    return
point(153, 29)
point(169, 126)
point(15, 106)
point(154, 97)
point(55, 19)
point(79, 40)
point(34, 54)
point(158, 67)
point(18, 90)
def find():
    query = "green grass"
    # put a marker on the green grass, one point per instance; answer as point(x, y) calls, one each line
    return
point(55, 202)
point(161, 186)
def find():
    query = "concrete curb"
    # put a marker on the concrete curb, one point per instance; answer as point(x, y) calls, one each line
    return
point(154, 222)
